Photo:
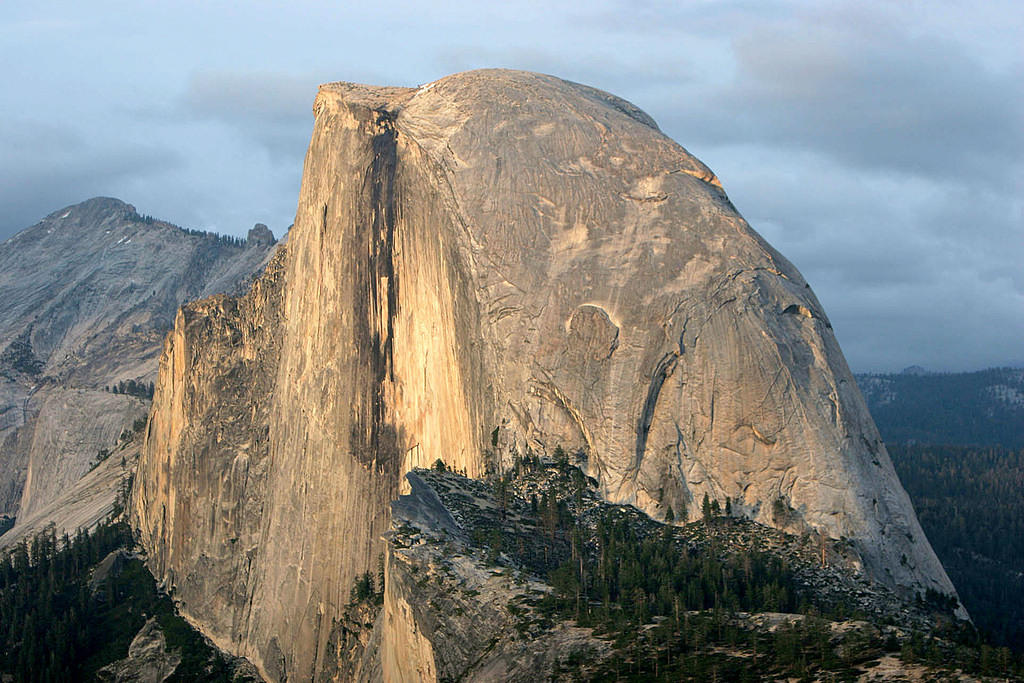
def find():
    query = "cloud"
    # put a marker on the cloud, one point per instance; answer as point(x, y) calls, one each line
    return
point(958, 322)
point(262, 97)
point(272, 109)
point(875, 97)
point(910, 269)
point(604, 69)
point(877, 145)
point(46, 167)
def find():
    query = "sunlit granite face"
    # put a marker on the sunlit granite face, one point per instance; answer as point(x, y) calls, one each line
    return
point(494, 263)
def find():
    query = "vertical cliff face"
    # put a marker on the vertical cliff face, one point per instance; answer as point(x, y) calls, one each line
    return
point(368, 326)
point(495, 261)
point(199, 491)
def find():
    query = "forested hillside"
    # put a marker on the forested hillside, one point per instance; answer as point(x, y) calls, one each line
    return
point(70, 607)
point(722, 598)
point(984, 408)
point(956, 440)
point(971, 505)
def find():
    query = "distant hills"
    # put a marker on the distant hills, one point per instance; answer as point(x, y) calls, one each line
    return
point(86, 298)
point(983, 408)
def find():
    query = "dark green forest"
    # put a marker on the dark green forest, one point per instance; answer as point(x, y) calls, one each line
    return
point(984, 408)
point(970, 502)
point(620, 579)
point(618, 575)
point(677, 602)
point(60, 620)
point(133, 387)
point(956, 441)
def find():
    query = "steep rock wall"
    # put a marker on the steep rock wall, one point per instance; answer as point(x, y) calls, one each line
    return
point(497, 260)
point(357, 376)
point(71, 421)
point(340, 428)
point(198, 500)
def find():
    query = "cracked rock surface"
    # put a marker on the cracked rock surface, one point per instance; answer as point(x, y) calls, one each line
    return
point(494, 263)
point(148, 659)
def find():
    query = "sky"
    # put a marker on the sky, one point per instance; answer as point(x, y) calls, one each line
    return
point(878, 145)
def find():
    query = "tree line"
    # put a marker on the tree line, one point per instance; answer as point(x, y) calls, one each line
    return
point(671, 607)
point(132, 387)
point(968, 409)
point(224, 240)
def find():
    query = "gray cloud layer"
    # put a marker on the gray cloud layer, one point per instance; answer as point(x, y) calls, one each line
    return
point(878, 145)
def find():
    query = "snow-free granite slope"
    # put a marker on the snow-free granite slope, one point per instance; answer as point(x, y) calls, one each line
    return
point(86, 297)
point(494, 262)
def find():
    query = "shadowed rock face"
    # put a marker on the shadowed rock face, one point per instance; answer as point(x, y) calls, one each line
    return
point(495, 250)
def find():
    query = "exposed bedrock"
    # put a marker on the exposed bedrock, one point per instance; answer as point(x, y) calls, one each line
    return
point(496, 249)
point(86, 298)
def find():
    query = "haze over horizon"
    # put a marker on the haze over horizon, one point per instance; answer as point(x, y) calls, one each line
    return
point(877, 146)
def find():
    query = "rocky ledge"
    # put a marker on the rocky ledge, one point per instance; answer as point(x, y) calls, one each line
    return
point(532, 575)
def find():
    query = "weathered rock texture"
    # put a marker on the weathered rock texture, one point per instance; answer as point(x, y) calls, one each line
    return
point(200, 492)
point(81, 505)
point(450, 615)
point(88, 295)
point(503, 251)
point(148, 660)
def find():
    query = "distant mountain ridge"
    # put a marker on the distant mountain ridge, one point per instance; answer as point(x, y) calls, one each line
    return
point(88, 295)
point(982, 408)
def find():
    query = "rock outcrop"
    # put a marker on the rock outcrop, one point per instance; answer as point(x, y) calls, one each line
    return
point(148, 659)
point(494, 263)
point(260, 234)
point(469, 589)
point(449, 614)
point(83, 504)
point(201, 491)
point(89, 293)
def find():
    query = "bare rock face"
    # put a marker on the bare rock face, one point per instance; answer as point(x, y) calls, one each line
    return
point(88, 295)
point(201, 488)
point(148, 660)
point(449, 615)
point(494, 263)
point(83, 504)
point(260, 234)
